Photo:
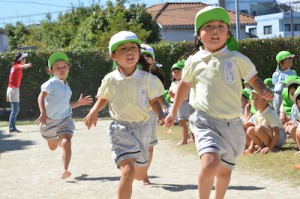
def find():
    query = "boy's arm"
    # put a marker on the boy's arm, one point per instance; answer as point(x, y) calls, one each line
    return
point(92, 117)
point(156, 107)
point(257, 84)
point(43, 114)
point(182, 91)
point(82, 101)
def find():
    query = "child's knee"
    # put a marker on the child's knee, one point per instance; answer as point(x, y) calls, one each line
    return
point(127, 169)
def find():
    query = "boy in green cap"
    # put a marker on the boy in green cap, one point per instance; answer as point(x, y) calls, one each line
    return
point(55, 121)
point(268, 132)
point(214, 74)
point(130, 93)
point(295, 129)
point(183, 113)
point(284, 61)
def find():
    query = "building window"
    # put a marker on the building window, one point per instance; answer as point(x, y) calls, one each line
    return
point(267, 30)
point(252, 31)
point(287, 27)
point(244, 11)
point(297, 27)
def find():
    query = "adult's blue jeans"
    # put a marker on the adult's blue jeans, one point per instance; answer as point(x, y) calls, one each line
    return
point(15, 108)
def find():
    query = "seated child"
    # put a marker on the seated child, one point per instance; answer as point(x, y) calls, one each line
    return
point(291, 84)
point(295, 129)
point(268, 131)
point(246, 114)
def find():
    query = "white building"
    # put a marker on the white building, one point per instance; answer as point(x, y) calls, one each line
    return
point(3, 40)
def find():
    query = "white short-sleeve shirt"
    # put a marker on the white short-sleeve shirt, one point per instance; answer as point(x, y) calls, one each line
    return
point(57, 101)
point(129, 96)
point(217, 81)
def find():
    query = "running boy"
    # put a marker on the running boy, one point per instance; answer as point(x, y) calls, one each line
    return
point(183, 113)
point(55, 121)
point(130, 92)
point(214, 73)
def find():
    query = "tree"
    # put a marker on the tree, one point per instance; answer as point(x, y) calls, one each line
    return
point(87, 27)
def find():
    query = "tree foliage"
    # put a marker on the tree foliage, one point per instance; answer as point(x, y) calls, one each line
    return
point(86, 27)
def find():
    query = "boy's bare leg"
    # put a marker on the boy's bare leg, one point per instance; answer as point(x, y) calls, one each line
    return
point(185, 132)
point(222, 182)
point(127, 176)
point(208, 170)
point(52, 144)
point(146, 180)
point(66, 154)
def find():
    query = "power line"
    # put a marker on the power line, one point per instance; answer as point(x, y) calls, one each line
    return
point(33, 2)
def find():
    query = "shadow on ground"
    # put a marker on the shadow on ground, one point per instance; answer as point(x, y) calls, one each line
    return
point(12, 145)
point(84, 177)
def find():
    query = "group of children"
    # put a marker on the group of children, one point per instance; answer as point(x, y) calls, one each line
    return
point(210, 78)
point(268, 124)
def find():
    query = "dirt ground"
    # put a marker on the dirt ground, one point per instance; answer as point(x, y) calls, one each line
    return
point(29, 170)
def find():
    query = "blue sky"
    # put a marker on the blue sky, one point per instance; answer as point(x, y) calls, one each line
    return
point(32, 11)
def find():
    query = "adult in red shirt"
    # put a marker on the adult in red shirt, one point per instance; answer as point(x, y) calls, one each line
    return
point(13, 90)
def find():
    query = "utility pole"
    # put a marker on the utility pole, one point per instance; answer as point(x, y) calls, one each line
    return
point(237, 12)
point(292, 20)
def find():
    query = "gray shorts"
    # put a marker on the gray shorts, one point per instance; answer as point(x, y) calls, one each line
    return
point(184, 111)
point(130, 140)
point(281, 139)
point(55, 127)
point(222, 136)
point(153, 123)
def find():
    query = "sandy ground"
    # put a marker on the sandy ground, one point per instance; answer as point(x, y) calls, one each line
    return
point(28, 170)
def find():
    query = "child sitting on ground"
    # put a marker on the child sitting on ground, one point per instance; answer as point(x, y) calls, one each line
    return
point(268, 132)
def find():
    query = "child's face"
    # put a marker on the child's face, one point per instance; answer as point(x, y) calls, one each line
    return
point(60, 69)
point(292, 92)
point(259, 103)
point(176, 73)
point(127, 55)
point(286, 63)
point(149, 59)
point(213, 35)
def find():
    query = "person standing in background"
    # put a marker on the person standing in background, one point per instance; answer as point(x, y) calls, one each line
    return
point(13, 89)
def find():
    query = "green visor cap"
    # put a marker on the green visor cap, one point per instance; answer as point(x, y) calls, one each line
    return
point(146, 49)
point(283, 55)
point(291, 79)
point(211, 13)
point(268, 81)
point(232, 44)
point(178, 65)
point(245, 93)
point(59, 56)
point(122, 37)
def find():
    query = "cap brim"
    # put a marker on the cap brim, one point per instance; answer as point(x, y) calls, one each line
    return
point(117, 44)
point(57, 57)
point(24, 55)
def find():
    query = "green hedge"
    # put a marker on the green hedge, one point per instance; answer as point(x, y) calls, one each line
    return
point(88, 67)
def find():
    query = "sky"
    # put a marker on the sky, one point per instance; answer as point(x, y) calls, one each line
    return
point(31, 12)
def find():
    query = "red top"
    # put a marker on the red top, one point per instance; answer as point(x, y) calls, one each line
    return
point(15, 76)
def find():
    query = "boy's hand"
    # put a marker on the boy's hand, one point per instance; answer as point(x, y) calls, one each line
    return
point(267, 94)
point(41, 120)
point(265, 150)
point(169, 121)
point(87, 100)
point(161, 121)
point(90, 120)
